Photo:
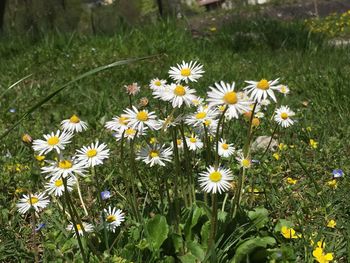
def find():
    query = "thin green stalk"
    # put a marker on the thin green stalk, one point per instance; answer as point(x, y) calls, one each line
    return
point(268, 146)
point(74, 222)
point(133, 170)
point(213, 222)
point(33, 219)
point(246, 153)
point(178, 174)
point(217, 139)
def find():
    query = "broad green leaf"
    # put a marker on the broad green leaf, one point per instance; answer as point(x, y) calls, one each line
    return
point(205, 232)
point(177, 241)
point(192, 220)
point(157, 231)
point(259, 216)
point(196, 250)
point(188, 258)
point(250, 245)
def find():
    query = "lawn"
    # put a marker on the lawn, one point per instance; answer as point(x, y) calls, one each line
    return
point(318, 76)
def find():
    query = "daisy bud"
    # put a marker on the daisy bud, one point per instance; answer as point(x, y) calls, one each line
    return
point(255, 122)
point(26, 138)
point(143, 102)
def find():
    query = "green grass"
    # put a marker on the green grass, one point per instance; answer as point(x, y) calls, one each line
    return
point(315, 73)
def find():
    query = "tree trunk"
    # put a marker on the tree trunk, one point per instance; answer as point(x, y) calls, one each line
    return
point(160, 7)
point(2, 13)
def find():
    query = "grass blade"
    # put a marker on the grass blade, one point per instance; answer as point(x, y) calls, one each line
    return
point(14, 84)
point(53, 94)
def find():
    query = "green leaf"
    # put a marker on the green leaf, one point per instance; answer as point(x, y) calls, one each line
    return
point(259, 216)
point(283, 222)
point(191, 221)
point(205, 231)
point(188, 258)
point(195, 248)
point(177, 241)
point(250, 245)
point(53, 94)
point(157, 231)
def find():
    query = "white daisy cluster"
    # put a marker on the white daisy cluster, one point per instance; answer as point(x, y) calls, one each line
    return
point(197, 129)
point(64, 170)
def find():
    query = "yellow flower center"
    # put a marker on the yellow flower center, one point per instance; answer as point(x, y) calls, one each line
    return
point(33, 200)
point(91, 153)
point(111, 218)
point(142, 116)
point(215, 176)
point(284, 115)
point(224, 146)
point(179, 90)
point(283, 89)
point(185, 72)
point(245, 163)
point(130, 131)
point(263, 84)
point(123, 120)
point(74, 119)
point(40, 158)
point(53, 140)
point(201, 115)
point(65, 164)
point(178, 141)
point(255, 122)
point(193, 140)
point(78, 227)
point(230, 97)
point(154, 154)
point(157, 83)
point(58, 183)
point(207, 122)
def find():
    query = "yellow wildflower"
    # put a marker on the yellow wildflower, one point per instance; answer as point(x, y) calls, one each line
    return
point(40, 158)
point(313, 143)
point(291, 180)
point(309, 129)
point(331, 223)
point(289, 233)
point(332, 184)
point(320, 256)
point(276, 156)
point(153, 140)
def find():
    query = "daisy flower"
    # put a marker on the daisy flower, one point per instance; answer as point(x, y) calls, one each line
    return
point(215, 180)
point(194, 143)
point(93, 155)
point(197, 101)
point(52, 142)
point(140, 120)
point(179, 144)
point(225, 149)
point(57, 187)
point(179, 95)
point(155, 154)
point(283, 89)
point(118, 123)
point(64, 168)
point(157, 84)
point(38, 201)
point(88, 228)
point(260, 90)
point(186, 72)
point(224, 95)
point(282, 116)
point(114, 217)
point(243, 161)
point(129, 134)
point(74, 124)
point(203, 115)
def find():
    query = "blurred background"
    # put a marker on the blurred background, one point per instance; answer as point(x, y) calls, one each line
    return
point(35, 17)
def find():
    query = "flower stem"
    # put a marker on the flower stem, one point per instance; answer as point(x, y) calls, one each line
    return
point(81, 198)
point(213, 222)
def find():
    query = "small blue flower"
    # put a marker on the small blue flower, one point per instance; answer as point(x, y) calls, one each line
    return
point(39, 227)
point(105, 195)
point(337, 173)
